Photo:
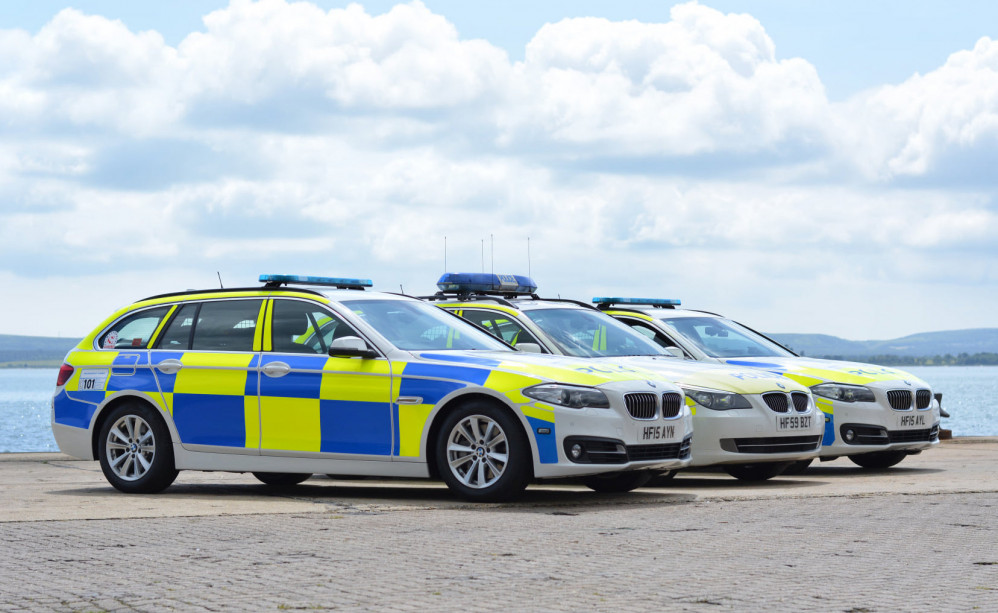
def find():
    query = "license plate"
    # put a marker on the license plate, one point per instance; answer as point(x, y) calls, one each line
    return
point(913, 421)
point(657, 433)
point(793, 422)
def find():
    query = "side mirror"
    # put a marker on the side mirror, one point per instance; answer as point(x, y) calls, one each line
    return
point(676, 352)
point(351, 347)
point(529, 347)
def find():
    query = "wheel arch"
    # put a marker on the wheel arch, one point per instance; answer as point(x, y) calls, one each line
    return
point(100, 416)
point(456, 402)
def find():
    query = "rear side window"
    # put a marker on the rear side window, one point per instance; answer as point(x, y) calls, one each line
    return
point(224, 325)
point(300, 327)
point(134, 331)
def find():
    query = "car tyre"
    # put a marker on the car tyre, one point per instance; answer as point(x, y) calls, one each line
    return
point(483, 454)
point(797, 468)
point(282, 479)
point(619, 482)
point(760, 471)
point(135, 450)
point(878, 459)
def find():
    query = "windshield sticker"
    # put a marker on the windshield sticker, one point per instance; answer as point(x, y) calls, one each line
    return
point(111, 340)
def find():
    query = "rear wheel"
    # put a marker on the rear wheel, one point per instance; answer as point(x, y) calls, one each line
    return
point(483, 454)
point(878, 459)
point(797, 468)
point(618, 482)
point(760, 471)
point(135, 450)
point(282, 479)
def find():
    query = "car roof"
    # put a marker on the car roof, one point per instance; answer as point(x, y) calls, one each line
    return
point(521, 303)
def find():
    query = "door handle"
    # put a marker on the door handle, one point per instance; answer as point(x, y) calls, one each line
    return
point(276, 369)
point(170, 366)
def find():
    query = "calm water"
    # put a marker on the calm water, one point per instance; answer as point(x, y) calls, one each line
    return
point(970, 394)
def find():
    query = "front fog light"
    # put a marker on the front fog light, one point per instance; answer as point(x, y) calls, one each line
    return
point(576, 451)
point(850, 435)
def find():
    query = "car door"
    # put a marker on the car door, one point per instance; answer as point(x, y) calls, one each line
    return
point(206, 361)
point(311, 402)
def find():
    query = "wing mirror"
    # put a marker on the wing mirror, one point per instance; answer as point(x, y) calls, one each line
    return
point(676, 351)
point(529, 347)
point(351, 347)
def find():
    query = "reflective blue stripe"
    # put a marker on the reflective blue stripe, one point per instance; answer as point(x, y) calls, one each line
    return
point(209, 419)
point(442, 371)
point(76, 413)
point(429, 390)
point(355, 427)
point(465, 359)
point(547, 444)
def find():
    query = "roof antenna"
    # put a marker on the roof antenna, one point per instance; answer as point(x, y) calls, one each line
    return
point(493, 252)
point(445, 256)
point(483, 255)
point(219, 279)
point(528, 257)
point(400, 289)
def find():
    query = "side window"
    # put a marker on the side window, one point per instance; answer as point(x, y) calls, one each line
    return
point(226, 325)
point(651, 333)
point(299, 327)
point(133, 332)
point(178, 334)
point(500, 325)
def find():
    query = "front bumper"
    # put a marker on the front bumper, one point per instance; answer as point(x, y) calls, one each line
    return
point(862, 427)
point(753, 435)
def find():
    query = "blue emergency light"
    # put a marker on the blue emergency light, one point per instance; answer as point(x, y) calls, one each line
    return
point(278, 280)
point(468, 282)
point(666, 303)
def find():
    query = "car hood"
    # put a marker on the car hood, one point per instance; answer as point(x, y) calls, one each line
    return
point(478, 365)
point(713, 376)
point(812, 371)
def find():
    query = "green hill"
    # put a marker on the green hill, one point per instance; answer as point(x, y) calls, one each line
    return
point(972, 342)
point(33, 351)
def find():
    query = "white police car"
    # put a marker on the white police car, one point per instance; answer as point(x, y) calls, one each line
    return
point(750, 422)
point(286, 382)
point(874, 415)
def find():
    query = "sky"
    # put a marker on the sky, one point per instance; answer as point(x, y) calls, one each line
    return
point(807, 167)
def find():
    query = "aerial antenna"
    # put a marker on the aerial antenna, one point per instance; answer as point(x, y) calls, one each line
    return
point(493, 252)
point(219, 279)
point(483, 255)
point(445, 256)
point(402, 291)
point(528, 257)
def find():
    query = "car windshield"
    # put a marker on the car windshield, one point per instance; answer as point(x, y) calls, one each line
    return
point(589, 334)
point(723, 338)
point(416, 326)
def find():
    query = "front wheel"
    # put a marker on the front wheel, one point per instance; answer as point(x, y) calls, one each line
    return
point(878, 459)
point(761, 471)
point(135, 450)
point(482, 453)
point(282, 479)
point(616, 483)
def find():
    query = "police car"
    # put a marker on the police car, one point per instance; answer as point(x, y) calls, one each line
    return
point(752, 423)
point(874, 415)
point(331, 378)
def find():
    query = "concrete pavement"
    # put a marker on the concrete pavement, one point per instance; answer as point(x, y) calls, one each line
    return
point(921, 536)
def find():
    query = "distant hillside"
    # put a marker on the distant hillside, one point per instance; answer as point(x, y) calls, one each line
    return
point(20, 351)
point(951, 342)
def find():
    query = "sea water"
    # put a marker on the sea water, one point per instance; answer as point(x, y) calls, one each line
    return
point(970, 394)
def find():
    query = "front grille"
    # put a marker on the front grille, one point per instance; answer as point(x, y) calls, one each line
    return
point(774, 444)
point(667, 451)
point(914, 436)
point(801, 403)
point(672, 404)
point(777, 402)
point(640, 406)
point(900, 400)
point(923, 398)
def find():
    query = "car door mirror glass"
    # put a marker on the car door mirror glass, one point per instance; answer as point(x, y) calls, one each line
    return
point(529, 347)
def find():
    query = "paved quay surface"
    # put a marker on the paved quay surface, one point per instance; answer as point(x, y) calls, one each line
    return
point(920, 537)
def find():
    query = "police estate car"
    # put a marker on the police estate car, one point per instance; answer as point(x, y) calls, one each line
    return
point(285, 382)
point(751, 422)
point(874, 415)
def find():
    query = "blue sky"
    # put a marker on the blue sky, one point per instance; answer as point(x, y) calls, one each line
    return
point(801, 166)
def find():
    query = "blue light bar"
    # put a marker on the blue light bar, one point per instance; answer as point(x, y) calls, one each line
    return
point(659, 302)
point(466, 282)
point(277, 280)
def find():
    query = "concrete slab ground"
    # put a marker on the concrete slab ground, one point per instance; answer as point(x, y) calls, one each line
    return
point(921, 536)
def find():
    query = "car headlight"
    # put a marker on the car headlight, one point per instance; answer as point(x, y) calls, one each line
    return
point(717, 400)
point(574, 396)
point(843, 392)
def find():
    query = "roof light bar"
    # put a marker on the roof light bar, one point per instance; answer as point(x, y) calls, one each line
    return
point(279, 280)
point(667, 303)
point(468, 282)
